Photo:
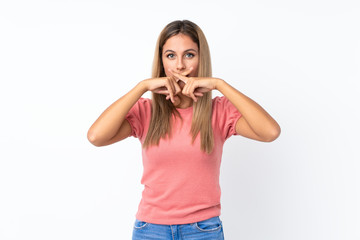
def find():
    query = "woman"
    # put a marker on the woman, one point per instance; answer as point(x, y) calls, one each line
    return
point(182, 131)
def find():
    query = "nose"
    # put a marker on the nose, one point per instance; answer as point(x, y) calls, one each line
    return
point(180, 64)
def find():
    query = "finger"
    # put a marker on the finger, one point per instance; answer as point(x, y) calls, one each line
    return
point(185, 89)
point(171, 88)
point(189, 87)
point(168, 87)
point(203, 89)
point(189, 90)
point(198, 94)
point(187, 71)
point(163, 92)
point(180, 77)
point(192, 90)
point(176, 85)
point(193, 96)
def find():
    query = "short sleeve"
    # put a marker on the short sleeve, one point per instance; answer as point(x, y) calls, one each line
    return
point(226, 116)
point(138, 116)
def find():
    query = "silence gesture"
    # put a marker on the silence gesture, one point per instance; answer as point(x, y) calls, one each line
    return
point(195, 86)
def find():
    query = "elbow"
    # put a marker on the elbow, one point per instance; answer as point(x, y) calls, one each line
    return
point(273, 134)
point(93, 139)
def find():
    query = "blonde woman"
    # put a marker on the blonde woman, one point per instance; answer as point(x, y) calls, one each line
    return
point(182, 130)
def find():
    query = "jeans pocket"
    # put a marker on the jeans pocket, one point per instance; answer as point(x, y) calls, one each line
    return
point(208, 225)
point(140, 224)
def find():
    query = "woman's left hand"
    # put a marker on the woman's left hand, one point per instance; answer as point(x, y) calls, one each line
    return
point(196, 86)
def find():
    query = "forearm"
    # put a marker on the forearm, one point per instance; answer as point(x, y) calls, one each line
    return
point(257, 118)
point(109, 122)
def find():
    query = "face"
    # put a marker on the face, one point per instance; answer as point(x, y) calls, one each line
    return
point(179, 54)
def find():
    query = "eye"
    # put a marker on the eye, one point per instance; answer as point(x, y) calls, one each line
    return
point(189, 55)
point(170, 56)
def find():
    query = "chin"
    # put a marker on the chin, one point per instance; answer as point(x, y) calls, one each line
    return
point(177, 101)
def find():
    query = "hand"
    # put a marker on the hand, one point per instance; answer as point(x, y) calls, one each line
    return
point(165, 85)
point(195, 86)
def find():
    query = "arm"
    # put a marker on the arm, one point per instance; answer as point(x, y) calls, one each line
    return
point(255, 122)
point(110, 126)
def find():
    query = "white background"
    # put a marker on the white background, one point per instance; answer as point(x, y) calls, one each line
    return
point(63, 62)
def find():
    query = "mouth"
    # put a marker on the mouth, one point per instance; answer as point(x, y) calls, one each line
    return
point(188, 75)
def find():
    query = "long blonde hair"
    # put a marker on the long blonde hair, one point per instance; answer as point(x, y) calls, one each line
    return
point(162, 109)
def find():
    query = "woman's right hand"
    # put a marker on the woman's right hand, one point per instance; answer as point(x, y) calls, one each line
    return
point(166, 85)
point(163, 85)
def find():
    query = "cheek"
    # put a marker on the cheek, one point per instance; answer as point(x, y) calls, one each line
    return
point(195, 69)
point(195, 65)
point(167, 73)
point(166, 66)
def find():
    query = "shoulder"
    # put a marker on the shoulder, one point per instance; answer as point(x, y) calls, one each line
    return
point(218, 105)
point(219, 101)
point(144, 100)
point(143, 103)
point(224, 108)
point(142, 107)
point(216, 100)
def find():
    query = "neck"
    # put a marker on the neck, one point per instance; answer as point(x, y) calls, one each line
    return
point(183, 101)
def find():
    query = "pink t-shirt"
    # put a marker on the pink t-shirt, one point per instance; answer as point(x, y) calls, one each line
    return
point(181, 182)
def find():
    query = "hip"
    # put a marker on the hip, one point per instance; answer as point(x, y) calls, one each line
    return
point(210, 229)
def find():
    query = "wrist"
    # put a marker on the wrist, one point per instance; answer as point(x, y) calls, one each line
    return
point(143, 85)
point(219, 83)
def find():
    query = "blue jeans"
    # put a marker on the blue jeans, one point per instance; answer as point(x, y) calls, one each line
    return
point(210, 229)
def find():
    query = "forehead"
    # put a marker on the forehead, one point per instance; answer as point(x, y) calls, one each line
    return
point(179, 43)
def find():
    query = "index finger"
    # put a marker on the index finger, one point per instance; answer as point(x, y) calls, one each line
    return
point(180, 77)
point(187, 71)
point(183, 73)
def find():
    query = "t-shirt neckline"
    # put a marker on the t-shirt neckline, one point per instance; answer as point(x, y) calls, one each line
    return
point(182, 110)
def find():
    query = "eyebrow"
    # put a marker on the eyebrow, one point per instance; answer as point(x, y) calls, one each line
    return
point(190, 49)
